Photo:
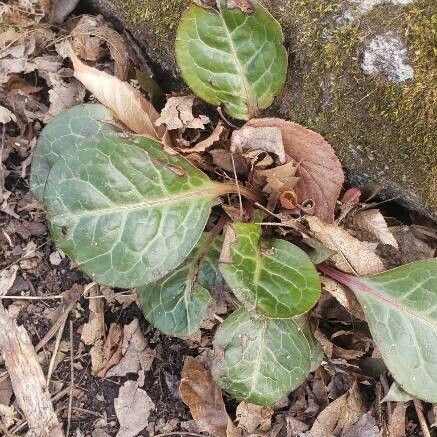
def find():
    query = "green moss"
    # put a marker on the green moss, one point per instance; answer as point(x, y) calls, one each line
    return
point(381, 130)
point(368, 119)
point(155, 21)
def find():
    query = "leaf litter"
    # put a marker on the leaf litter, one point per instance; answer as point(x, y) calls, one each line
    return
point(36, 85)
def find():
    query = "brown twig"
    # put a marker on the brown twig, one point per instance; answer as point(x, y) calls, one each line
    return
point(70, 400)
point(27, 378)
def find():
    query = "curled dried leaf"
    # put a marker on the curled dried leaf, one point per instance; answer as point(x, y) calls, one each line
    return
point(351, 252)
point(320, 172)
point(129, 105)
point(178, 114)
point(266, 138)
point(204, 398)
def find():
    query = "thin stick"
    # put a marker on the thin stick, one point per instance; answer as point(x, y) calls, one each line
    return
point(419, 410)
point(167, 434)
point(55, 297)
point(55, 352)
point(70, 401)
point(234, 169)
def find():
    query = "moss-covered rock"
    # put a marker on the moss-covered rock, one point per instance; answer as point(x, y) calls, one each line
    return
point(362, 73)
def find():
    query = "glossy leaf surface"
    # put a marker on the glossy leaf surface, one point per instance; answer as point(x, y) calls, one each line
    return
point(232, 58)
point(401, 308)
point(125, 210)
point(65, 132)
point(260, 360)
point(177, 303)
point(272, 277)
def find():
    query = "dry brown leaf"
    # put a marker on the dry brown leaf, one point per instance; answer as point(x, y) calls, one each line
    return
point(339, 415)
point(215, 136)
point(6, 115)
point(178, 114)
point(62, 95)
point(344, 296)
point(365, 427)
point(112, 349)
point(8, 415)
point(136, 353)
point(129, 105)
point(266, 138)
point(350, 251)
point(245, 6)
point(89, 36)
point(132, 407)
point(204, 398)
point(411, 248)
point(331, 350)
point(253, 418)
point(278, 179)
point(372, 221)
point(7, 279)
point(320, 172)
point(396, 427)
point(223, 158)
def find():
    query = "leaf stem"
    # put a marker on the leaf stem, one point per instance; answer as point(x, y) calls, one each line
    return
point(343, 278)
point(230, 188)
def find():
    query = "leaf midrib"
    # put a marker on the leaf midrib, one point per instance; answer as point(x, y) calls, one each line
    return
point(210, 192)
point(251, 106)
point(365, 289)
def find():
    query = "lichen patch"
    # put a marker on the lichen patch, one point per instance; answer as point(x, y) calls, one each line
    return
point(387, 55)
point(367, 5)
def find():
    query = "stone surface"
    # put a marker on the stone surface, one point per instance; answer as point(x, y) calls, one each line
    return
point(362, 73)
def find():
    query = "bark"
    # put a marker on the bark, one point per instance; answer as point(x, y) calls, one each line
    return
point(27, 378)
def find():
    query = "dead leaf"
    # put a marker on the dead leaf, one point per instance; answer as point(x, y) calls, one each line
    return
point(223, 158)
point(350, 251)
point(372, 221)
point(277, 179)
point(266, 138)
point(136, 353)
point(178, 114)
point(7, 279)
point(253, 418)
point(62, 95)
point(129, 105)
point(411, 248)
point(132, 407)
point(245, 6)
point(396, 427)
point(8, 415)
point(339, 415)
point(333, 351)
point(89, 37)
point(344, 296)
point(204, 398)
point(215, 136)
point(6, 116)
point(320, 172)
point(112, 350)
point(365, 427)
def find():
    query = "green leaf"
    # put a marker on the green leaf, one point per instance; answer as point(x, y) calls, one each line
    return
point(232, 58)
point(260, 360)
point(272, 277)
point(65, 132)
point(401, 308)
point(316, 349)
point(125, 210)
point(178, 303)
point(397, 394)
